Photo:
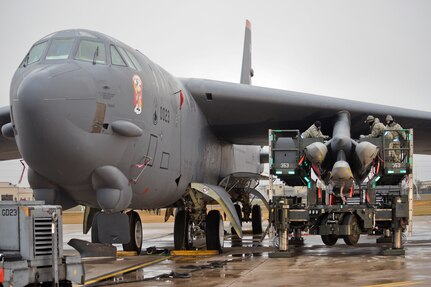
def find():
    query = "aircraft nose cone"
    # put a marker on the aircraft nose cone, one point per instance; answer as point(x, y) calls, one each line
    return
point(49, 111)
point(28, 111)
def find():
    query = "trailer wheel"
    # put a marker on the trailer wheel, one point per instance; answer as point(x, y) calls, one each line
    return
point(183, 239)
point(135, 227)
point(329, 239)
point(239, 213)
point(352, 239)
point(256, 219)
point(214, 230)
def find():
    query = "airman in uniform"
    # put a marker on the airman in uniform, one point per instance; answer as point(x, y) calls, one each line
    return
point(394, 132)
point(314, 131)
point(377, 128)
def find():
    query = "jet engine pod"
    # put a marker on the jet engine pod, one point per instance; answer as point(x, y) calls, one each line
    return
point(113, 191)
point(316, 152)
point(341, 174)
point(366, 153)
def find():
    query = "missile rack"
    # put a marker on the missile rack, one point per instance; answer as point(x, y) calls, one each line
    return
point(381, 205)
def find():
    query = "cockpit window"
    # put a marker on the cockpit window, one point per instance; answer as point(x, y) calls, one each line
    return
point(59, 49)
point(129, 62)
point(35, 54)
point(116, 58)
point(91, 51)
point(134, 60)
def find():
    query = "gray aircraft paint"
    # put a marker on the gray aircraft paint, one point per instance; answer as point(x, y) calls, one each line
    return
point(70, 105)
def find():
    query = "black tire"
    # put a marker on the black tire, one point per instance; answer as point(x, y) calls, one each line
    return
point(214, 231)
point(352, 220)
point(136, 236)
point(95, 230)
point(182, 231)
point(329, 239)
point(239, 213)
point(256, 219)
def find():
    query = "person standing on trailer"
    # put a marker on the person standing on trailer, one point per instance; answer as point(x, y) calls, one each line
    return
point(396, 132)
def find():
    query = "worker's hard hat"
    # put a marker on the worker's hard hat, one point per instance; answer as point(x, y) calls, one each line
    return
point(389, 118)
point(369, 119)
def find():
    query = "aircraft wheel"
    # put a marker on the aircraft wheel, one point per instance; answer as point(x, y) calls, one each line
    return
point(352, 239)
point(214, 231)
point(135, 227)
point(256, 219)
point(95, 230)
point(183, 238)
point(239, 213)
point(329, 239)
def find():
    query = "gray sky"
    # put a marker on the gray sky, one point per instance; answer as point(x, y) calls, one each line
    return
point(373, 51)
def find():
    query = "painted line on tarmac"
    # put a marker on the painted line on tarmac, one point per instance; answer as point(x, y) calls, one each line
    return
point(126, 270)
point(397, 284)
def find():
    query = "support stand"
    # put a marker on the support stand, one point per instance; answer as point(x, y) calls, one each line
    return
point(398, 212)
point(282, 226)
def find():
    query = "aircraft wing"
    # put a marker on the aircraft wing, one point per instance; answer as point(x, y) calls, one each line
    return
point(8, 148)
point(242, 114)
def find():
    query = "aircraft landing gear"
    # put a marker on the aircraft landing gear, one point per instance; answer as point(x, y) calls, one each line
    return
point(214, 231)
point(183, 236)
point(239, 213)
point(135, 227)
point(118, 228)
point(256, 219)
point(95, 231)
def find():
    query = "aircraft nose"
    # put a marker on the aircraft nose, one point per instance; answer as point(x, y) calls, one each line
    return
point(48, 111)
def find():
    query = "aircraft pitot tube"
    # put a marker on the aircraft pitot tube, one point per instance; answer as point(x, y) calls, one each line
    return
point(342, 161)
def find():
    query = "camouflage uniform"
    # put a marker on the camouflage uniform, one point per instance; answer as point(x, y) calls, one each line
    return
point(394, 134)
point(377, 129)
point(313, 132)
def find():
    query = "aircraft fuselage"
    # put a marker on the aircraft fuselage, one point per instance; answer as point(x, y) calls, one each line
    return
point(74, 113)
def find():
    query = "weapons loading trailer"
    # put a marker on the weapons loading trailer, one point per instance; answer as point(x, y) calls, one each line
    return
point(381, 205)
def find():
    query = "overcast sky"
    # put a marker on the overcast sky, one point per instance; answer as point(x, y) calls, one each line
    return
point(372, 51)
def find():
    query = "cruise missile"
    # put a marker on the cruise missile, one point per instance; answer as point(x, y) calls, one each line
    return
point(342, 159)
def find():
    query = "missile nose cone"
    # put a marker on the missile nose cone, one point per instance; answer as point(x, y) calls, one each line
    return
point(341, 173)
point(366, 153)
point(316, 152)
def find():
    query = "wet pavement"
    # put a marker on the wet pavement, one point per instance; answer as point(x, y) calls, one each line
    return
point(313, 264)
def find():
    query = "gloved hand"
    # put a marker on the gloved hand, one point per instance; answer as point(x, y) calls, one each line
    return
point(361, 136)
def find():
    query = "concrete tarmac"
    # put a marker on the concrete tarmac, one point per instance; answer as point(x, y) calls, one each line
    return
point(313, 264)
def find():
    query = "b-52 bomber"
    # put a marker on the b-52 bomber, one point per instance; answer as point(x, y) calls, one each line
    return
point(101, 125)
